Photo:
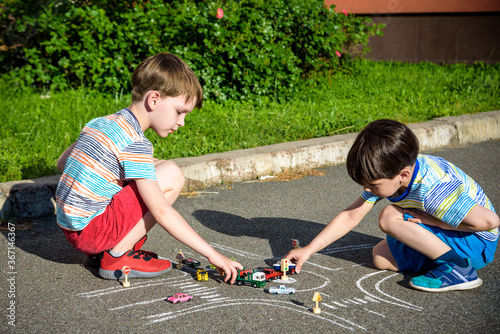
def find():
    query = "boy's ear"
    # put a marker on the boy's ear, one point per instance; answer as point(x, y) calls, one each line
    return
point(406, 174)
point(152, 99)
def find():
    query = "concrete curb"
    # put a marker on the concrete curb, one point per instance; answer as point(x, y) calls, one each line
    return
point(30, 199)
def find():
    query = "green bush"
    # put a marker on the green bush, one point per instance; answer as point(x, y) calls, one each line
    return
point(257, 48)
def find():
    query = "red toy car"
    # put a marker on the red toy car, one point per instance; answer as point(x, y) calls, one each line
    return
point(271, 274)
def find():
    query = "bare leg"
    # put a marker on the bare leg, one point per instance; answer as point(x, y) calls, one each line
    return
point(413, 235)
point(171, 181)
point(382, 257)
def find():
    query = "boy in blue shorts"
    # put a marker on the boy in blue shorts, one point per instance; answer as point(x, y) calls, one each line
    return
point(440, 220)
point(112, 191)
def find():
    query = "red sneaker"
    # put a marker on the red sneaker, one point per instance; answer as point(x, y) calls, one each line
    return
point(140, 243)
point(94, 260)
point(141, 265)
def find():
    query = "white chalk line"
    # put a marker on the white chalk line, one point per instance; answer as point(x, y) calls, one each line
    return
point(400, 303)
point(171, 315)
point(146, 302)
point(379, 314)
point(219, 299)
point(327, 281)
point(330, 306)
point(239, 302)
point(212, 297)
point(339, 304)
point(377, 287)
point(349, 322)
point(322, 267)
point(237, 251)
point(337, 250)
point(134, 285)
point(201, 291)
point(347, 301)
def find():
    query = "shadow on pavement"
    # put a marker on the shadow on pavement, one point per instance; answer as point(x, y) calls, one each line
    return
point(46, 240)
point(281, 242)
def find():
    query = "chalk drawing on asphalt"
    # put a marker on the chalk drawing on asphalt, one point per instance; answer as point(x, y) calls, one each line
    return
point(210, 298)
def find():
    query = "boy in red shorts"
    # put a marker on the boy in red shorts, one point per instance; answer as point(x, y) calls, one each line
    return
point(112, 191)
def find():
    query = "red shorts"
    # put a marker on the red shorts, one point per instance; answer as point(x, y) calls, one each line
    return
point(106, 230)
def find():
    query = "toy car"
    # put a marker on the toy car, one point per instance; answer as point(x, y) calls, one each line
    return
point(271, 274)
point(201, 275)
point(282, 290)
point(179, 297)
point(191, 262)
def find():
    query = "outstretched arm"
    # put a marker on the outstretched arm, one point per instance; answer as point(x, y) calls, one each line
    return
point(337, 228)
point(168, 218)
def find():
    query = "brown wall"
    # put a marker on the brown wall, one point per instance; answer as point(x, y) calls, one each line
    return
point(414, 6)
point(438, 38)
point(445, 31)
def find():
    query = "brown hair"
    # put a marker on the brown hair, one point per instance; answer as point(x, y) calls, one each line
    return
point(167, 74)
point(381, 151)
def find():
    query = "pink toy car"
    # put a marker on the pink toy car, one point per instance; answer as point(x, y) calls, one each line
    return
point(179, 297)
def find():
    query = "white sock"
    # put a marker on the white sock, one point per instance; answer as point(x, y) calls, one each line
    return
point(116, 254)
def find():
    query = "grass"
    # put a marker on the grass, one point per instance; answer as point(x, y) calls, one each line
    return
point(35, 129)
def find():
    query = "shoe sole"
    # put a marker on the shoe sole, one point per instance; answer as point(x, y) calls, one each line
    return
point(118, 274)
point(462, 286)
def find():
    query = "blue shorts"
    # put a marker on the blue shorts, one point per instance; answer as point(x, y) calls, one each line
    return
point(467, 245)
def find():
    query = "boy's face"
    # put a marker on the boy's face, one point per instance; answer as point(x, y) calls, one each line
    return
point(384, 187)
point(388, 187)
point(169, 113)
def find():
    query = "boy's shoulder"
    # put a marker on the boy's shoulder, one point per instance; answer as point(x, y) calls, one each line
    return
point(118, 117)
point(435, 170)
point(117, 134)
point(437, 165)
point(118, 125)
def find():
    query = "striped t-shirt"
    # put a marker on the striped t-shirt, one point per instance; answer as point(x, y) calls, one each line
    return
point(443, 190)
point(110, 151)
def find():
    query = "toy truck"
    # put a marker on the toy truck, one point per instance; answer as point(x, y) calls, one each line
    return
point(256, 279)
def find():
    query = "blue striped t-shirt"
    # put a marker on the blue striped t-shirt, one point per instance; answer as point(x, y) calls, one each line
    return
point(110, 151)
point(443, 190)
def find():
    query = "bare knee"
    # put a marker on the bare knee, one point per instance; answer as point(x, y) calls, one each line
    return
point(170, 177)
point(389, 216)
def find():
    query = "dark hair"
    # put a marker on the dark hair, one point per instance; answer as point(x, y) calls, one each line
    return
point(167, 74)
point(381, 151)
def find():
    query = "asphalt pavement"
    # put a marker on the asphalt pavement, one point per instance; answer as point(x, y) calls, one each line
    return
point(47, 289)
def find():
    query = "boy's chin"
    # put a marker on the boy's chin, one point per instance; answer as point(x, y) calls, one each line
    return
point(163, 134)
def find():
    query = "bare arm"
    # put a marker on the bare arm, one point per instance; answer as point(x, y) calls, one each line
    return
point(168, 218)
point(478, 219)
point(344, 222)
point(61, 162)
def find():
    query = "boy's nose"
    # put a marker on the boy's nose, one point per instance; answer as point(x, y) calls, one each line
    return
point(180, 121)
